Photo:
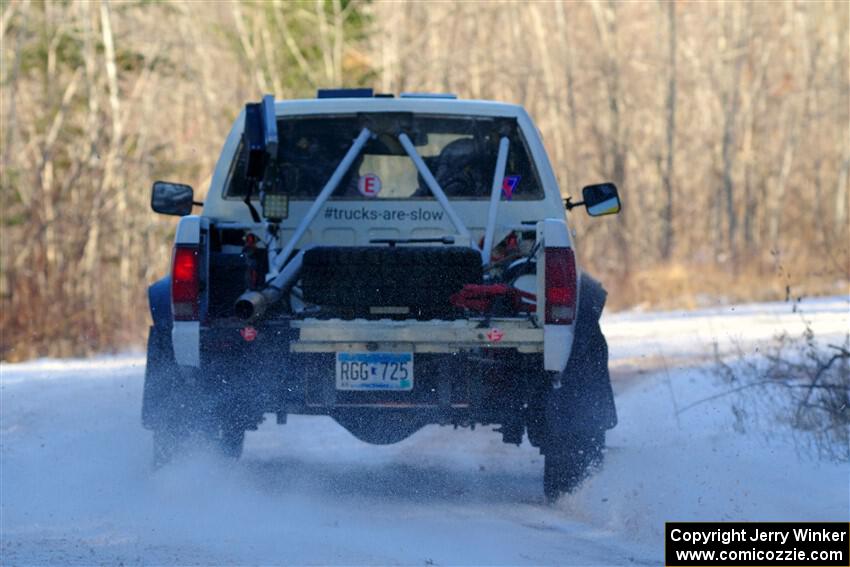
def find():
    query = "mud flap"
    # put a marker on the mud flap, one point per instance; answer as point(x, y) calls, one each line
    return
point(171, 395)
point(584, 402)
point(161, 373)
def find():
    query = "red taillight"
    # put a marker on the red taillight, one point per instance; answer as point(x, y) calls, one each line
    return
point(560, 286)
point(185, 292)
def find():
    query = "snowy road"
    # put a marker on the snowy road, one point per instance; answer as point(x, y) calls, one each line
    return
point(76, 487)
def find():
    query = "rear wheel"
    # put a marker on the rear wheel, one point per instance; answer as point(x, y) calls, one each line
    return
point(569, 460)
point(580, 410)
point(179, 412)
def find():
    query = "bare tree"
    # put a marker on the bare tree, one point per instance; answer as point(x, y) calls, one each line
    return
point(670, 136)
point(726, 125)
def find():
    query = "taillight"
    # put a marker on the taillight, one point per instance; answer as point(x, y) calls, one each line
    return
point(560, 286)
point(185, 283)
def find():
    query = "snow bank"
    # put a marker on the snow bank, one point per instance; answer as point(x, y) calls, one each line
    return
point(668, 466)
point(76, 487)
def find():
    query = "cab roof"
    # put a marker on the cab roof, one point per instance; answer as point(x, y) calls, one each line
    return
point(347, 102)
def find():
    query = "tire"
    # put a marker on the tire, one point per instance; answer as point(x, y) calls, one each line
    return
point(179, 411)
point(582, 409)
point(570, 460)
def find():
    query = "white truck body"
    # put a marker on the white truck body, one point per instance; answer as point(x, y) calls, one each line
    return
point(341, 223)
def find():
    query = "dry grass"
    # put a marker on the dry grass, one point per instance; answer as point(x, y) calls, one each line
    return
point(681, 286)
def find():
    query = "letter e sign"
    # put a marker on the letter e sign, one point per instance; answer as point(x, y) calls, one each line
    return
point(369, 185)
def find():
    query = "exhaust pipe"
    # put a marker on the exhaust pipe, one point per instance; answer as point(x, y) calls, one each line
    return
point(252, 304)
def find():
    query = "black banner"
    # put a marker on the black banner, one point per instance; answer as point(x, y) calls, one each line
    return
point(762, 544)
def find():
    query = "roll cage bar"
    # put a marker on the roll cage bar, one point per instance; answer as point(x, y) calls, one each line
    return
point(278, 260)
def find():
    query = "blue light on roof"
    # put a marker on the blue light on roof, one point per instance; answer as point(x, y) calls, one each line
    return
point(428, 95)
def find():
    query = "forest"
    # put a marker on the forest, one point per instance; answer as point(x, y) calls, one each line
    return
point(726, 126)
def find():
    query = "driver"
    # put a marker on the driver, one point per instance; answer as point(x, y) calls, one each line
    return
point(460, 169)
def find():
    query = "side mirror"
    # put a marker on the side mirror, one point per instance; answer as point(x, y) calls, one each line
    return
point(599, 200)
point(172, 198)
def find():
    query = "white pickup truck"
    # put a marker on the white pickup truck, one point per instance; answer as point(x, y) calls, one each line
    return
point(391, 262)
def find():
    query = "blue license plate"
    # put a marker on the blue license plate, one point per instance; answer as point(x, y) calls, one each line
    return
point(374, 371)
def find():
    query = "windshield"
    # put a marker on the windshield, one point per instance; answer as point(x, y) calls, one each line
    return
point(460, 151)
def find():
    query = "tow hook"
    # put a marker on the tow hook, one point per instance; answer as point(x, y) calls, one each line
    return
point(556, 381)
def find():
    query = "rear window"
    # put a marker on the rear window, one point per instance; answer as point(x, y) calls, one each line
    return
point(460, 151)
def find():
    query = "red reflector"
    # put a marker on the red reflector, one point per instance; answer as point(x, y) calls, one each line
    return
point(185, 296)
point(560, 276)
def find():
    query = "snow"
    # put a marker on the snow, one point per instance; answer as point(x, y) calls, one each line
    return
point(76, 486)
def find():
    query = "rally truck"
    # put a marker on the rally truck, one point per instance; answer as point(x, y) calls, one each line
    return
point(390, 262)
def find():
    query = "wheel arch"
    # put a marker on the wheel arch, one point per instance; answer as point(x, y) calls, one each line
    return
point(159, 301)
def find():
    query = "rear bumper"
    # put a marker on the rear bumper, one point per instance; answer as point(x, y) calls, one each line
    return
point(289, 367)
point(335, 335)
point(359, 335)
point(193, 343)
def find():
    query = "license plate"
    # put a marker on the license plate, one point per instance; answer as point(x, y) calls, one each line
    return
point(374, 371)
